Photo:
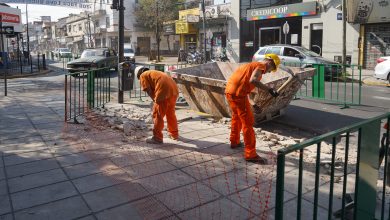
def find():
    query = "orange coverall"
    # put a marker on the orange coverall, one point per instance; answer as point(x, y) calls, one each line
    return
point(237, 90)
point(164, 92)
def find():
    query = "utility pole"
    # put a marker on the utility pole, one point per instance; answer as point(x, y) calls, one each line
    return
point(28, 37)
point(204, 31)
point(89, 31)
point(3, 58)
point(344, 35)
point(119, 6)
point(157, 33)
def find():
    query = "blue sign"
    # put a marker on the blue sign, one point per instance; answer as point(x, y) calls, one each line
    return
point(340, 16)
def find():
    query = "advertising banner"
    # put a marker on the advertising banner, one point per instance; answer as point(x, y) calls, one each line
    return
point(11, 17)
point(368, 11)
point(283, 11)
point(79, 4)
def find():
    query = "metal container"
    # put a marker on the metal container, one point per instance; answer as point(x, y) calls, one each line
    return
point(203, 87)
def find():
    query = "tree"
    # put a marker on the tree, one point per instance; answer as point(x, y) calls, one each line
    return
point(152, 13)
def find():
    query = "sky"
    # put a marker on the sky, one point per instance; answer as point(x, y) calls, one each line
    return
point(35, 11)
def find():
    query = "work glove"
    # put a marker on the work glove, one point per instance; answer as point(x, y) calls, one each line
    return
point(273, 92)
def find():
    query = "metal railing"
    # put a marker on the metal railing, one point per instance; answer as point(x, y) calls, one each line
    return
point(86, 90)
point(360, 175)
point(330, 84)
point(137, 90)
point(21, 65)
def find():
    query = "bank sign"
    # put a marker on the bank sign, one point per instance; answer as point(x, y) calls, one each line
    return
point(282, 11)
point(11, 17)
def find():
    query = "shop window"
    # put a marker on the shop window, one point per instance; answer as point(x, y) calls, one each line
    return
point(275, 50)
point(289, 52)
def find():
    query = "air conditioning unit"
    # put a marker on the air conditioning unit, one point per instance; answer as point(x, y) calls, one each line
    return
point(212, 12)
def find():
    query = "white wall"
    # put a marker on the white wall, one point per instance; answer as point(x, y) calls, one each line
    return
point(332, 43)
point(233, 44)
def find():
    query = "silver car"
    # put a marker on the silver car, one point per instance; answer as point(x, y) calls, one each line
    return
point(298, 56)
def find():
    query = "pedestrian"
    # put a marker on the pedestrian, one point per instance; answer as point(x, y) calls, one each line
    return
point(238, 87)
point(164, 92)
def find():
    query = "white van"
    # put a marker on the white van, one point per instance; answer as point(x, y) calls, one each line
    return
point(128, 52)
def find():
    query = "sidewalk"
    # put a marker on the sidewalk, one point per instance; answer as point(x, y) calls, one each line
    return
point(55, 170)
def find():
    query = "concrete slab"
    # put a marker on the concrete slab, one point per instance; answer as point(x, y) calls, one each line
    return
point(89, 168)
point(165, 181)
point(148, 169)
point(70, 208)
point(3, 188)
point(101, 180)
point(307, 213)
point(36, 180)
point(25, 148)
point(2, 175)
point(5, 206)
point(123, 212)
point(30, 168)
point(42, 195)
point(6, 217)
point(191, 196)
point(219, 209)
point(113, 196)
point(191, 158)
point(27, 157)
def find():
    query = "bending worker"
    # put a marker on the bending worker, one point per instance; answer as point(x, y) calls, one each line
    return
point(238, 87)
point(163, 90)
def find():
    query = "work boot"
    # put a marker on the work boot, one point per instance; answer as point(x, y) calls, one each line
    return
point(173, 137)
point(153, 140)
point(234, 146)
point(257, 159)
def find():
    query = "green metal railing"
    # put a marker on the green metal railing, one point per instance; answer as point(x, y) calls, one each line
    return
point(366, 135)
point(86, 90)
point(331, 84)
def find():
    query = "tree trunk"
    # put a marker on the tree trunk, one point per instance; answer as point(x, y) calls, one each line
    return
point(169, 46)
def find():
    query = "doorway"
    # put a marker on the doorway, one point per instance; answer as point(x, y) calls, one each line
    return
point(316, 38)
point(269, 35)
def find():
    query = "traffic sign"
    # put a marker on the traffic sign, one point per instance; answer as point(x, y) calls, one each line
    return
point(9, 30)
point(286, 28)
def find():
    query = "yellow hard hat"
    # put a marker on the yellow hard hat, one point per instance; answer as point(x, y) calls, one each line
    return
point(274, 58)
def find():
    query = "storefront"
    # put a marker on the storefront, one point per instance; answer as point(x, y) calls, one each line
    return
point(374, 18)
point(264, 25)
point(186, 28)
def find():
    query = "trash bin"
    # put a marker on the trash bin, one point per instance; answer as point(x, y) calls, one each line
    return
point(126, 75)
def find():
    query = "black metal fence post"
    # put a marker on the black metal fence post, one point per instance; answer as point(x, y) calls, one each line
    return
point(39, 66)
point(43, 61)
point(31, 65)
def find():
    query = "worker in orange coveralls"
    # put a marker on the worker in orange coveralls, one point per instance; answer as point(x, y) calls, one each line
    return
point(163, 90)
point(238, 87)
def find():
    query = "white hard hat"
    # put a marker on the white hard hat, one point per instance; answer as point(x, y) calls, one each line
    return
point(139, 70)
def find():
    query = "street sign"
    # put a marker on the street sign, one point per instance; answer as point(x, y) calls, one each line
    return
point(9, 30)
point(286, 28)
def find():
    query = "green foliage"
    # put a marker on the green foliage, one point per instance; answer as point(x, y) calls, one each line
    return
point(146, 12)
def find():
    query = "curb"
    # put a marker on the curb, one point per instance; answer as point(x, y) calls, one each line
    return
point(374, 83)
point(28, 75)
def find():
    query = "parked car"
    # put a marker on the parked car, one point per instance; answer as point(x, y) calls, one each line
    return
point(94, 58)
point(299, 56)
point(382, 68)
point(128, 53)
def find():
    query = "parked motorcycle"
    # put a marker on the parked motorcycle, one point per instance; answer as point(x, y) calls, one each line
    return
point(195, 57)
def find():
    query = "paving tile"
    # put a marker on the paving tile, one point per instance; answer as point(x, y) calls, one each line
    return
point(231, 182)
point(89, 168)
point(219, 209)
point(24, 148)
point(115, 195)
point(69, 208)
point(64, 150)
point(187, 197)
point(4, 204)
point(290, 210)
point(30, 168)
point(3, 187)
point(1, 160)
point(149, 168)
point(26, 157)
point(101, 180)
point(41, 195)
point(22, 140)
point(165, 181)
point(89, 217)
point(190, 158)
point(36, 180)
point(2, 175)
point(6, 217)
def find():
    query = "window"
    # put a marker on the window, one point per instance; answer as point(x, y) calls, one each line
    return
point(96, 23)
point(275, 50)
point(69, 28)
point(74, 27)
point(262, 51)
point(80, 28)
point(107, 22)
point(289, 52)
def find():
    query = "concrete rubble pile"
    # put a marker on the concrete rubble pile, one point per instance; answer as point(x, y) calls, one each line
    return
point(134, 121)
